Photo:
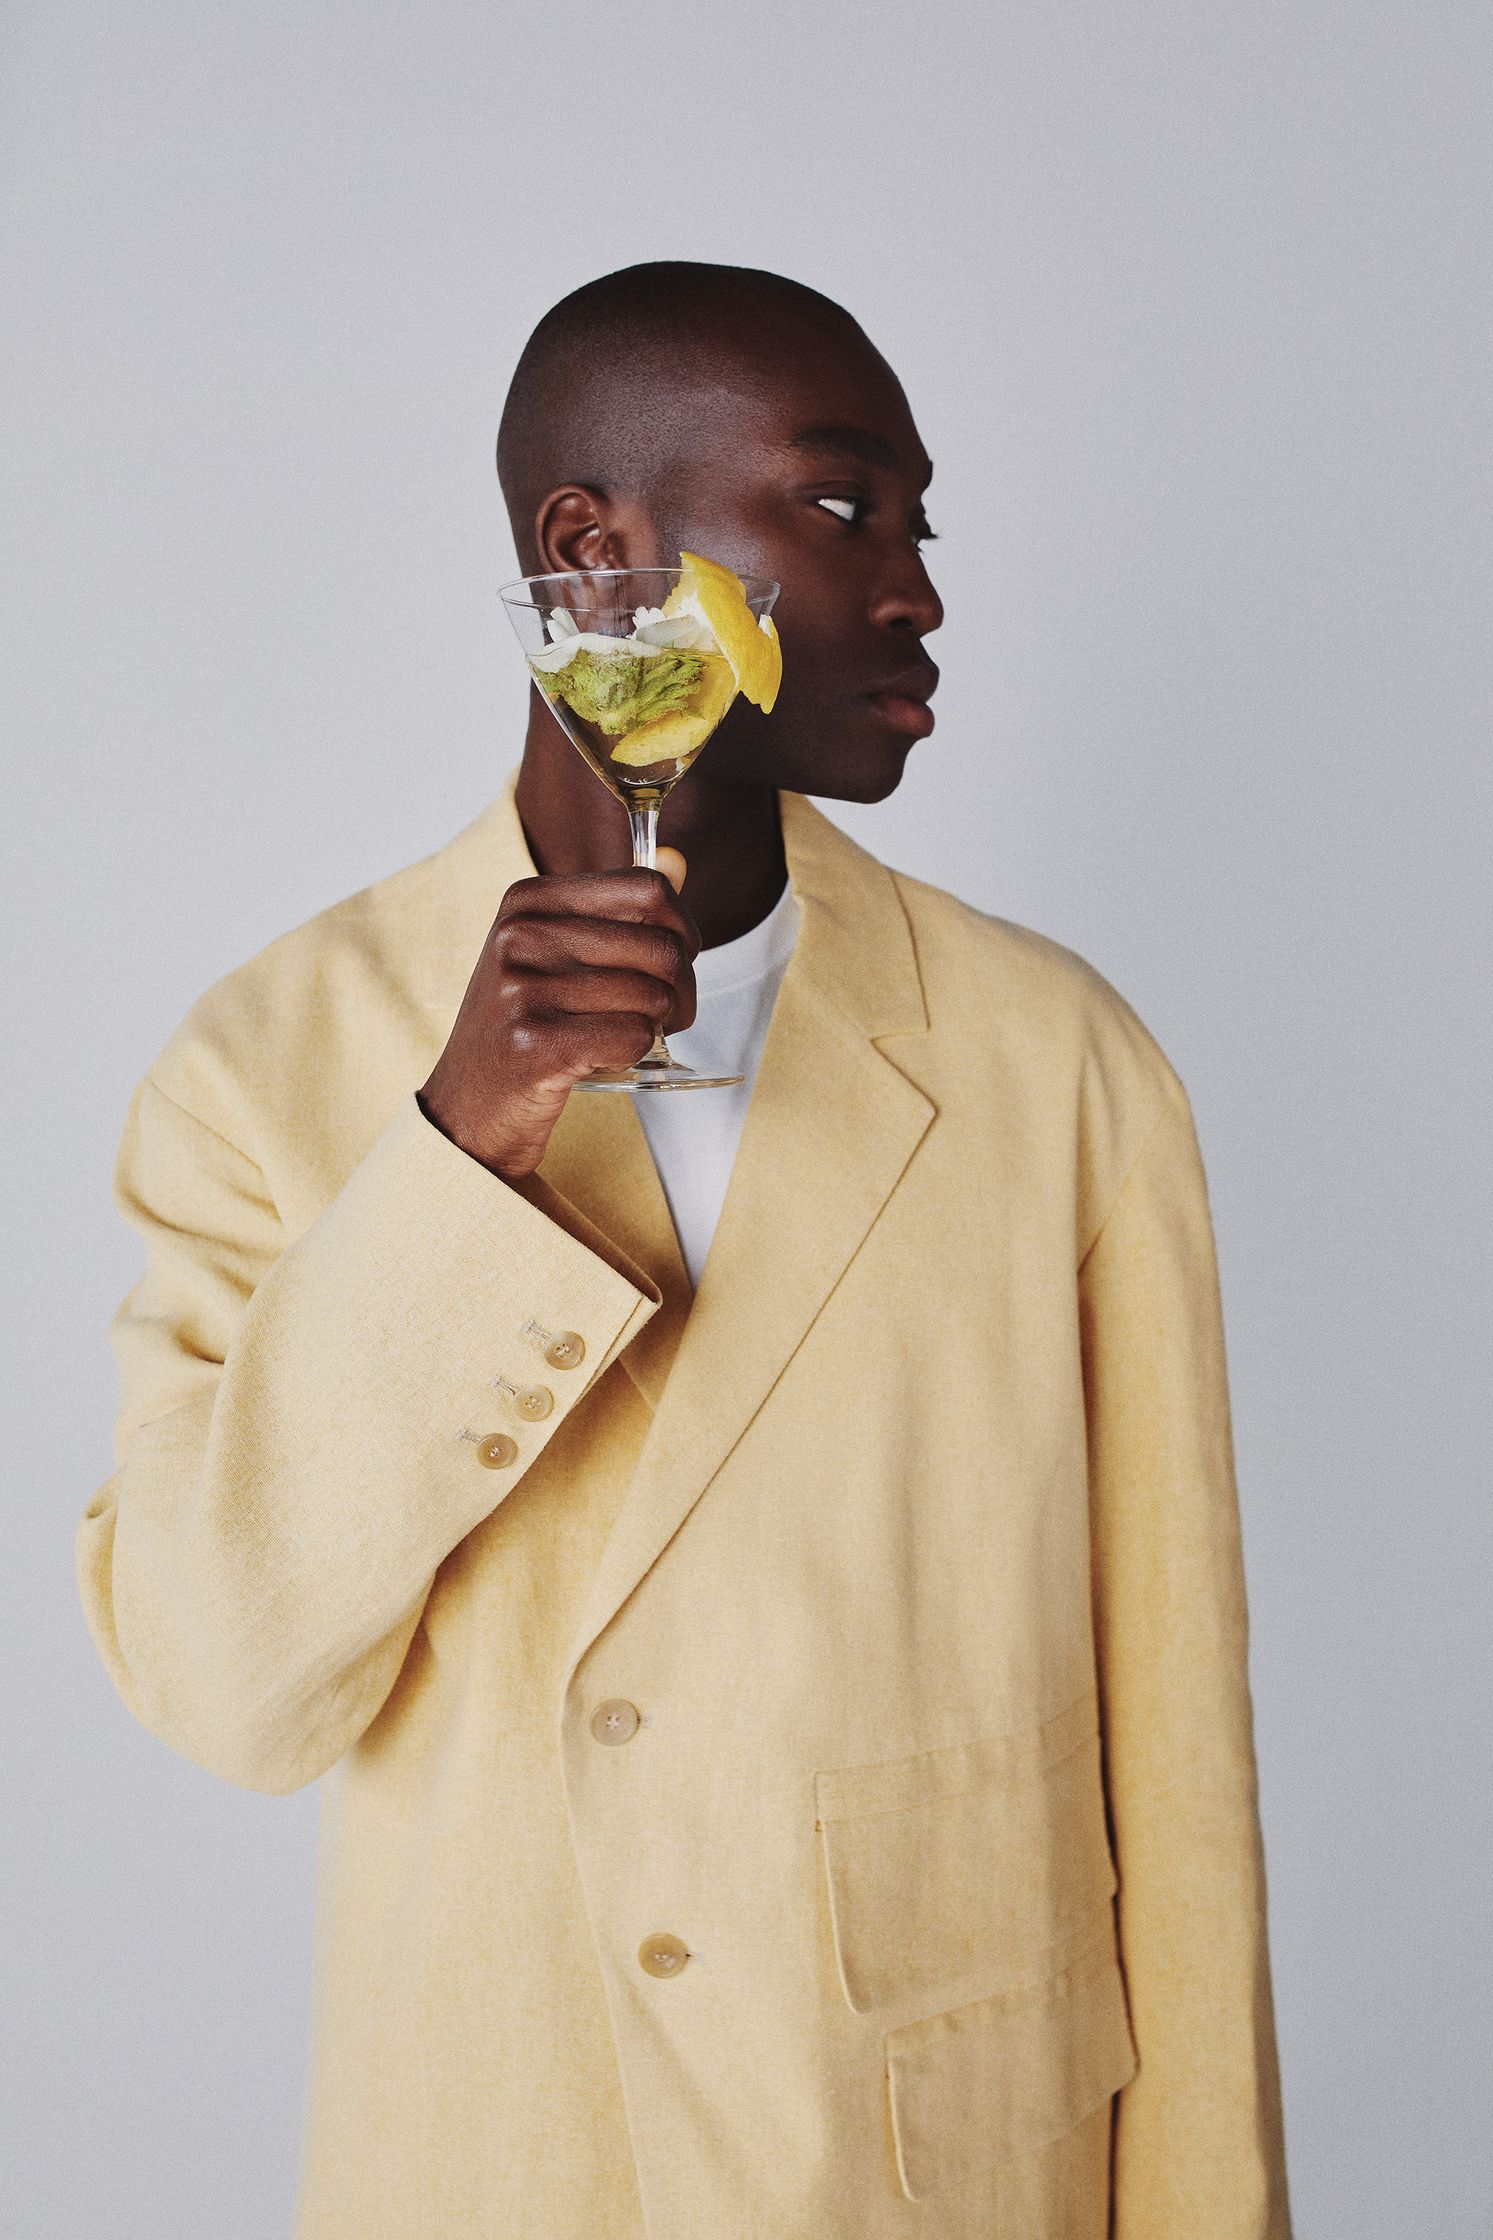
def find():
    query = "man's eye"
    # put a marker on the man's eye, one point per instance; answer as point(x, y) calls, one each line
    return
point(846, 508)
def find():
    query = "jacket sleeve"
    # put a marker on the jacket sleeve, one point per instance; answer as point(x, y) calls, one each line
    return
point(296, 1450)
point(1198, 2142)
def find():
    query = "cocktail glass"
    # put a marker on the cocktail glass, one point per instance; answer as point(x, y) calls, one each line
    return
point(635, 676)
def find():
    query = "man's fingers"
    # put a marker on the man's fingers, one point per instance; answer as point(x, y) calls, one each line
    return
point(583, 992)
point(563, 1047)
point(632, 897)
point(557, 944)
point(579, 971)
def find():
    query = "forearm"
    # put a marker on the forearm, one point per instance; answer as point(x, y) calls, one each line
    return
point(295, 1465)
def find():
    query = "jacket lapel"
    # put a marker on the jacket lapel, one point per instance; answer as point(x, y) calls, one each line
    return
point(829, 1131)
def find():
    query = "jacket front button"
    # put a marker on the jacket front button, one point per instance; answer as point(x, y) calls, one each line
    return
point(535, 1402)
point(614, 1720)
point(496, 1451)
point(662, 1955)
point(566, 1350)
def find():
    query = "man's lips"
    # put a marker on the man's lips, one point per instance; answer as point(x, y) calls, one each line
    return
point(903, 700)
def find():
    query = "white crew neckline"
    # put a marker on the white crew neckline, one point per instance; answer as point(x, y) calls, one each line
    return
point(736, 964)
point(694, 1139)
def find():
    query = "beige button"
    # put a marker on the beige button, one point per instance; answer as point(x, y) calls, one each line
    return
point(566, 1350)
point(615, 1720)
point(662, 1955)
point(534, 1402)
point(496, 1451)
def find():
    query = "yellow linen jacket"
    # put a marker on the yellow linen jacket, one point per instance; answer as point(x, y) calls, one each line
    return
point(786, 1753)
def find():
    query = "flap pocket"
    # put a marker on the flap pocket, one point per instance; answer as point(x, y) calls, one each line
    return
point(1006, 2076)
point(973, 1860)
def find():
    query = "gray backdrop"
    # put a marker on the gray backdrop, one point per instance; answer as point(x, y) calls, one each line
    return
point(1191, 303)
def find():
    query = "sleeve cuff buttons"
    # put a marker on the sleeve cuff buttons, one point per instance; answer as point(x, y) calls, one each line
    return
point(562, 1349)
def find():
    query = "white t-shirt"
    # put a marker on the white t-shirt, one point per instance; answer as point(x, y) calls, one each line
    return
point(693, 1133)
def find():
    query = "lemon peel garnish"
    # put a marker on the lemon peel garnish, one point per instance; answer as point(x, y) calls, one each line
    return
point(751, 649)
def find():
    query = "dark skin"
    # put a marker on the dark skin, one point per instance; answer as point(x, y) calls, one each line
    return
point(798, 460)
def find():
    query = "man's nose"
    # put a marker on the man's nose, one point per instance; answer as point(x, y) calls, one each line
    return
point(905, 598)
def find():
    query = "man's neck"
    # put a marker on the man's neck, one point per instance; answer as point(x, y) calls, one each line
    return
point(730, 836)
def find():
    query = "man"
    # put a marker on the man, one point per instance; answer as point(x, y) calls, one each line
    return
point(787, 1740)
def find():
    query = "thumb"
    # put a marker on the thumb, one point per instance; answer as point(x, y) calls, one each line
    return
point(671, 863)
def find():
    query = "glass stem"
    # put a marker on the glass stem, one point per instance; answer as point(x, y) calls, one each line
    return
point(644, 821)
point(643, 817)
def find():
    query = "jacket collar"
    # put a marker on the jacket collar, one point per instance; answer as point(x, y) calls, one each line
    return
point(854, 940)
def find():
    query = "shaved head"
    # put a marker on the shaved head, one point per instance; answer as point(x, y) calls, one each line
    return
point(622, 381)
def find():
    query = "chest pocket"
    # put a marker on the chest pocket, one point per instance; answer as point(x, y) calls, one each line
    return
point(965, 1862)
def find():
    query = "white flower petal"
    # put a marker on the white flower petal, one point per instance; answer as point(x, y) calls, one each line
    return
point(681, 631)
point(563, 651)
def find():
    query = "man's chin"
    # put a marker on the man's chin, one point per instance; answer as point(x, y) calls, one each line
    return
point(861, 784)
point(851, 769)
point(834, 766)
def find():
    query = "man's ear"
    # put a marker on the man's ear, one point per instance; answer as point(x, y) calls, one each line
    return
point(580, 528)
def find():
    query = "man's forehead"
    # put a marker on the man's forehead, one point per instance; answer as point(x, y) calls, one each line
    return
point(802, 391)
point(785, 408)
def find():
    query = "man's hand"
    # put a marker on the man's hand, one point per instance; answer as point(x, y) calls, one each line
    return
point(576, 973)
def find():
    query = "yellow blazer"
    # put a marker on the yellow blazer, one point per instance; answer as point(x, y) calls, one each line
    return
point(787, 1757)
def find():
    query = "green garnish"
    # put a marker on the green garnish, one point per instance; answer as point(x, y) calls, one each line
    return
point(618, 691)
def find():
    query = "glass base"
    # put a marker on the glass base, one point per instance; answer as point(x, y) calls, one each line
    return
point(649, 1074)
